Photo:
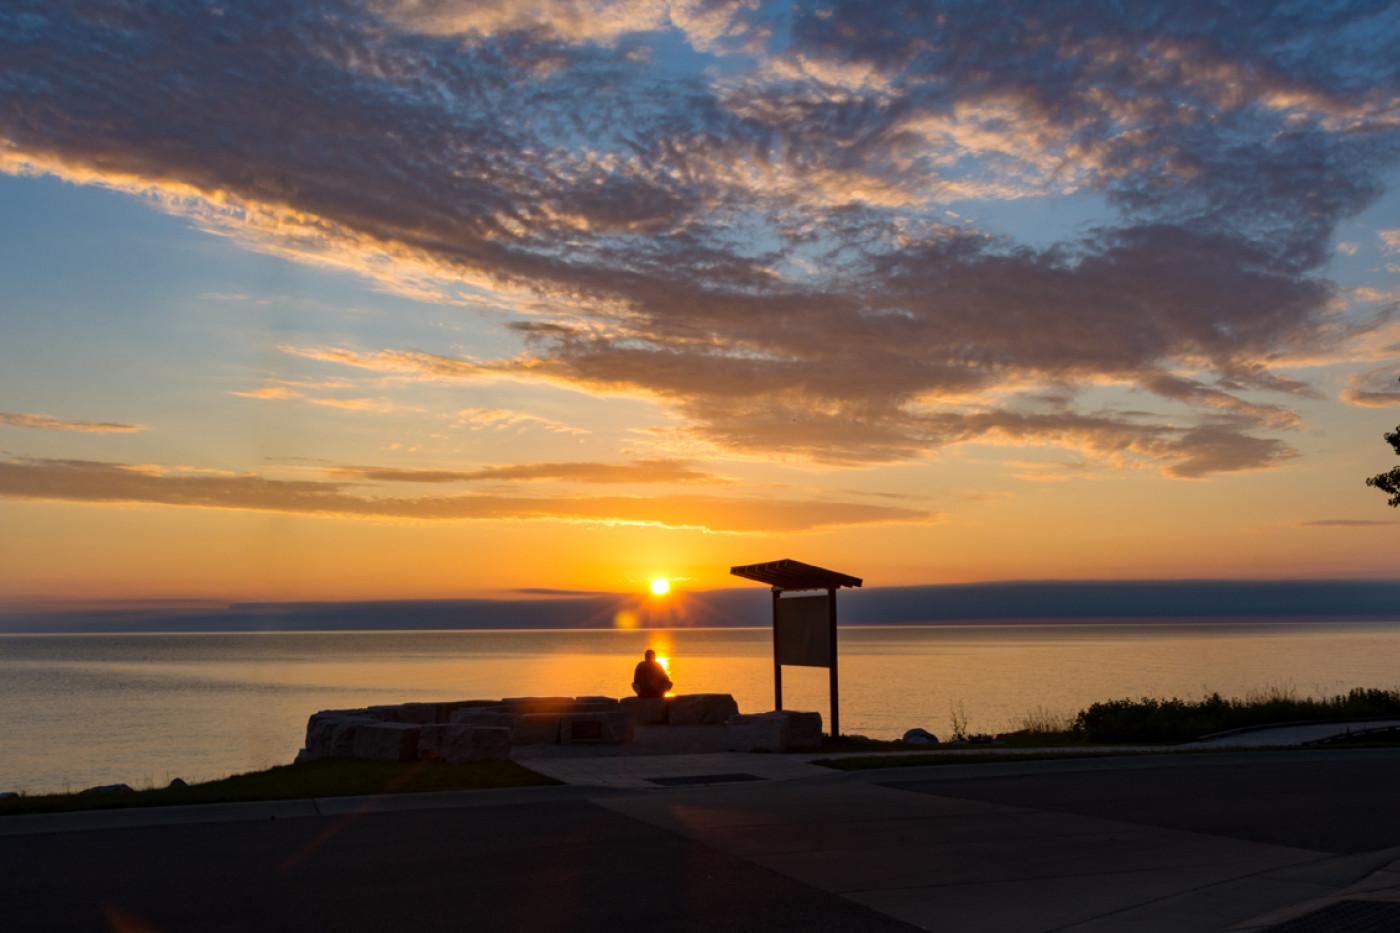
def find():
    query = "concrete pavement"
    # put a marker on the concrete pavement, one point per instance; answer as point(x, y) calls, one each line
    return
point(1183, 842)
point(1019, 857)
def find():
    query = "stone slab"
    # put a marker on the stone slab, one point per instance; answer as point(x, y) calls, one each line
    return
point(387, 741)
point(702, 709)
point(483, 716)
point(331, 734)
point(535, 729)
point(455, 743)
point(521, 705)
point(646, 711)
point(419, 713)
point(446, 709)
point(613, 728)
point(602, 703)
point(778, 731)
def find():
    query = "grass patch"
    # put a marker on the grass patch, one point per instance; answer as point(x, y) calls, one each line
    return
point(330, 778)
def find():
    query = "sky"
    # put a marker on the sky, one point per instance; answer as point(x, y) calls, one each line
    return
point(427, 299)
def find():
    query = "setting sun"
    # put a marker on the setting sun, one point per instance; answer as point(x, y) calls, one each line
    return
point(660, 586)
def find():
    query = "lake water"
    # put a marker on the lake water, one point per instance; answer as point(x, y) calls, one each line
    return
point(80, 710)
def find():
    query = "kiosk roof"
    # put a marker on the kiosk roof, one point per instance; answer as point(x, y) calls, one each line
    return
point(788, 574)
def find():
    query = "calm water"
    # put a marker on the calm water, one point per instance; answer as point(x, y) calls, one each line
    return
point(88, 709)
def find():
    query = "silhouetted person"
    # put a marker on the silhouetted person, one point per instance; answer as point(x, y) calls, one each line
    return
point(649, 679)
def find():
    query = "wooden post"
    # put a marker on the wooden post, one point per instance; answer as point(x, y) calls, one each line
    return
point(777, 665)
point(835, 704)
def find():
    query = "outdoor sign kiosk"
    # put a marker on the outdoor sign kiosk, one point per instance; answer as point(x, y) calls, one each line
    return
point(804, 625)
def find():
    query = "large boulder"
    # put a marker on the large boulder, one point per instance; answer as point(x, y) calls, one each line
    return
point(702, 709)
point(779, 731)
point(108, 789)
point(918, 736)
point(645, 711)
point(387, 741)
point(455, 742)
point(612, 728)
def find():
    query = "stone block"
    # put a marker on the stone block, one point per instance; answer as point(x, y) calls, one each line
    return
point(535, 729)
point(483, 716)
point(419, 713)
point(387, 741)
point(445, 710)
point(645, 711)
point(779, 731)
point(612, 728)
point(321, 723)
point(702, 709)
point(522, 705)
point(455, 743)
point(331, 733)
point(594, 704)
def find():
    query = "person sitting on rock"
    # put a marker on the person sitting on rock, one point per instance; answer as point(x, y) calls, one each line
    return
point(650, 678)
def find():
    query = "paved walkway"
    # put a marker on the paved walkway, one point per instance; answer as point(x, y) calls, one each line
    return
point(1283, 736)
point(650, 768)
point(955, 855)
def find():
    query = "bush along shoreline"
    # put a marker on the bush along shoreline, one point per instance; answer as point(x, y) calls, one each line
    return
point(1153, 721)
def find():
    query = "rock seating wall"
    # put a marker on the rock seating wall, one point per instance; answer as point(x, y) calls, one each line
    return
point(469, 730)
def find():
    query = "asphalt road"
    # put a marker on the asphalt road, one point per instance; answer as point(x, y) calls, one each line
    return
point(560, 865)
point(1330, 801)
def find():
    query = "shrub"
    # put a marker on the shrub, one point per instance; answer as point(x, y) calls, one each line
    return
point(1177, 720)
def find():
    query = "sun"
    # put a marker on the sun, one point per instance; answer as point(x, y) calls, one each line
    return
point(660, 586)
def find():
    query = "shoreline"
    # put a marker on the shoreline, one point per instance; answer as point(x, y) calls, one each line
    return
point(849, 626)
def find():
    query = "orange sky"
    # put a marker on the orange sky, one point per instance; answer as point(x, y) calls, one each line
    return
point(539, 302)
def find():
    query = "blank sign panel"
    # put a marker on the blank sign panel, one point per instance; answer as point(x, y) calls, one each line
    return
point(804, 631)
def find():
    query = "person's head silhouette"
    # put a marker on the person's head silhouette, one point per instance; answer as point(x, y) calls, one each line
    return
point(650, 655)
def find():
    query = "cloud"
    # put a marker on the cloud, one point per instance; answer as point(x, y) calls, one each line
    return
point(1390, 240)
point(639, 471)
point(269, 393)
point(113, 483)
point(763, 247)
point(281, 393)
point(502, 419)
point(48, 423)
point(1373, 388)
point(706, 24)
point(1348, 523)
